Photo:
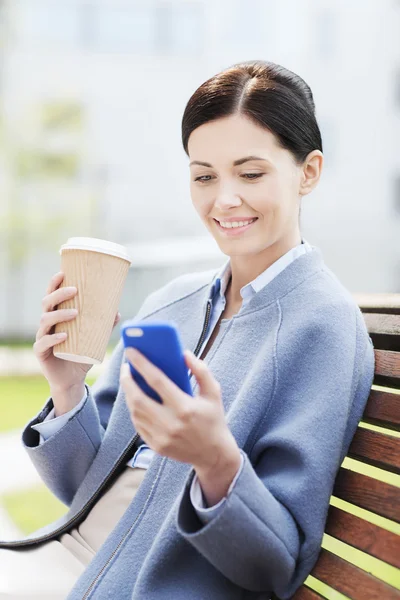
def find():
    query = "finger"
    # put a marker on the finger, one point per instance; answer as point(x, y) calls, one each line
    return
point(168, 391)
point(140, 405)
point(55, 282)
point(47, 341)
point(57, 297)
point(208, 385)
point(117, 319)
point(48, 320)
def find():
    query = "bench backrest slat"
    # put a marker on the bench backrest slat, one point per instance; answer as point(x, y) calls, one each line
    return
point(368, 493)
point(351, 580)
point(387, 364)
point(364, 535)
point(306, 593)
point(381, 303)
point(383, 408)
point(384, 324)
point(377, 449)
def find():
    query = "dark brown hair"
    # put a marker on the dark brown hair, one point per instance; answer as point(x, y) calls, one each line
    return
point(267, 93)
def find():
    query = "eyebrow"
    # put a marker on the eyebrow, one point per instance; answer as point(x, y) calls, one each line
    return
point(236, 163)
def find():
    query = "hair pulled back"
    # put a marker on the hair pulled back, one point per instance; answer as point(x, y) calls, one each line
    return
point(269, 94)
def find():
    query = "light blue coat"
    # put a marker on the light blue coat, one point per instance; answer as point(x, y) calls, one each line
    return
point(295, 366)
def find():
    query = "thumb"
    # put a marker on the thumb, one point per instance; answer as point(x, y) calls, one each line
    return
point(208, 385)
point(117, 318)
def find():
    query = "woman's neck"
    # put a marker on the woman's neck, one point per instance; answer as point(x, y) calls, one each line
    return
point(231, 306)
point(246, 268)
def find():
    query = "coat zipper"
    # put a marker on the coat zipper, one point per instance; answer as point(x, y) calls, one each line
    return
point(205, 327)
point(196, 351)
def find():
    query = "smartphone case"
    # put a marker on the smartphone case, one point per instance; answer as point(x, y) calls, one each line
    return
point(159, 341)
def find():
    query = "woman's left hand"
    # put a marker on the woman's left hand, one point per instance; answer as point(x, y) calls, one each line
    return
point(186, 428)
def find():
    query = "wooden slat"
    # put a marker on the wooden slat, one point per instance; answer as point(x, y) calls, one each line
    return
point(366, 492)
point(351, 580)
point(377, 449)
point(364, 536)
point(305, 593)
point(385, 303)
point(384, 324)
point(387, 363)
point(383, 408)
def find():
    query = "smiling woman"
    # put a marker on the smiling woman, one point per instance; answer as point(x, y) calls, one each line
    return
point(221, 494)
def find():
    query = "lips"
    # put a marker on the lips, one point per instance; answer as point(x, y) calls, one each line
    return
point(235, 219)
point(234, 231)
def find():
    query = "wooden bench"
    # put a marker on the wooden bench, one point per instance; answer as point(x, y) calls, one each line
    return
point(372, 447)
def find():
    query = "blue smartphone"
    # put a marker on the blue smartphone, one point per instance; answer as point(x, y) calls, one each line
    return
point(160, 342)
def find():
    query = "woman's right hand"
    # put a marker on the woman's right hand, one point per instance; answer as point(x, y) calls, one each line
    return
point(63, 375)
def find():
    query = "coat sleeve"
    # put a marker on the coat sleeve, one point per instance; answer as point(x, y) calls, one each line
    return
point(51, 424)
point(57, 461)
point(267, 537)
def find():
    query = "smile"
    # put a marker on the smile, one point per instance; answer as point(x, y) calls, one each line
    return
point(236, 229)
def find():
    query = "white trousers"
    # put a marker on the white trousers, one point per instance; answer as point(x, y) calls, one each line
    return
point(50, 570)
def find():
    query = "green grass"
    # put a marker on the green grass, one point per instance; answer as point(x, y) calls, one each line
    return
point(16, 344)
point(21, 398)
point(22, 344)
point(33, 508)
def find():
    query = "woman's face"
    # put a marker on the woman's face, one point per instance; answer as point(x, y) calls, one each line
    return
point(239, 172)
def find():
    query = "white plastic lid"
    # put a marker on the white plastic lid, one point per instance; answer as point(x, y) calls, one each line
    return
point(96, 245)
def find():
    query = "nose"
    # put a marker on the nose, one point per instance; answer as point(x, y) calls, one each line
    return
point(227, 198)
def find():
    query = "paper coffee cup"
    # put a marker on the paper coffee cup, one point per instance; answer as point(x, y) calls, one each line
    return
point(98, 269)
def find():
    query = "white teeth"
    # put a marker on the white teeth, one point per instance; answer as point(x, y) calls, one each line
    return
point(235, 224)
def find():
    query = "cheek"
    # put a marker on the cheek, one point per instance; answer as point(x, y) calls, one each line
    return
point(270, 198)
point(262, 200)
point(201, 201)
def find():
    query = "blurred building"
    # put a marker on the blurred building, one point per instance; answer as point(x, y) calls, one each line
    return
point(91, 98)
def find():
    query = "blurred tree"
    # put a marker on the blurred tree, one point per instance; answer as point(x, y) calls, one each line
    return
point(46, 197)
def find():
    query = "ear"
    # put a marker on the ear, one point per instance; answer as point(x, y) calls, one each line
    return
point(311, 172)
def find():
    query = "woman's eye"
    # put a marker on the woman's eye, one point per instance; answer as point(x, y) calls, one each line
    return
point(202, 179)
point(252, 175)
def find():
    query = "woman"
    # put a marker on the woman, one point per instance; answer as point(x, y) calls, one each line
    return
point(223, 495)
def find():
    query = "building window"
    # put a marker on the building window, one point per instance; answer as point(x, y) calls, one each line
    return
point(245, 27)
point(45, 22)
point(180, 28)
point(125, 28)
point(170, 27)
